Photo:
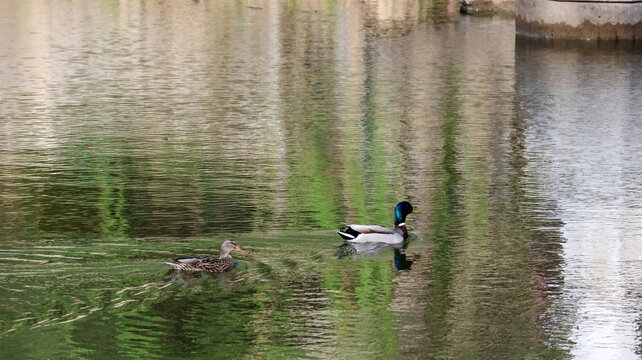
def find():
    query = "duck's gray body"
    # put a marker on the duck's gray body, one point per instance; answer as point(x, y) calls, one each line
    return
point(363, 234)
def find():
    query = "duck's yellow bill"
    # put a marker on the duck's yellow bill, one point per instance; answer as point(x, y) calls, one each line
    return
point(416, 211)
point(239, 249)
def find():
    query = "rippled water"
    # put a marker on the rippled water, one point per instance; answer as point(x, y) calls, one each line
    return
point(132, 132)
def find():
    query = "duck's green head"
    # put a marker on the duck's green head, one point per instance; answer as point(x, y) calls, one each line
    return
point(402, 210)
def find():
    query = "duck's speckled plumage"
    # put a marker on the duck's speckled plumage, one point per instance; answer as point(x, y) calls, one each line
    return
point(199, 263)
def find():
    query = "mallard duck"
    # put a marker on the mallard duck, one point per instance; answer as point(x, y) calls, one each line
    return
point(198, 263)
point(361, 234)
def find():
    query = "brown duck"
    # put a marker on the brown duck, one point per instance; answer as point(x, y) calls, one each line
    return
point(198, 263)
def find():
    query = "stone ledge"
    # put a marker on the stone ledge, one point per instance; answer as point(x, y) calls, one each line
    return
point(526, 43)
point(579, 20)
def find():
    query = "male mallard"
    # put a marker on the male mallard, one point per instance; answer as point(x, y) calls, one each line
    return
point(360, 234)
point(197, 263)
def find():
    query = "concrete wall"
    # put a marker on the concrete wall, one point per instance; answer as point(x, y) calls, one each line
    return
point(613, 20)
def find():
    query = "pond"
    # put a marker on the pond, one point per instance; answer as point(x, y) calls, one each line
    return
point(132, 132)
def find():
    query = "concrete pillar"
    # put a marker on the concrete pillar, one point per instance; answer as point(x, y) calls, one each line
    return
point(584, 20)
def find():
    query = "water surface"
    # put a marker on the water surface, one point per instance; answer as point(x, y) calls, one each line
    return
point(132, 132)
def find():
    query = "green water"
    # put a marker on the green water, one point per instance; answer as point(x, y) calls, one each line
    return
point(134, 132)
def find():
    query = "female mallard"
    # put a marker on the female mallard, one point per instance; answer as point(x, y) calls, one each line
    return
point(197, 263)
point(361, 234)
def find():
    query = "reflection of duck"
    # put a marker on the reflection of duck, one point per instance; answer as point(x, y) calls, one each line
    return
point(347, 250)
point(223, 263)
point(400, 261)
point(201, 280)
point(360, 234)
